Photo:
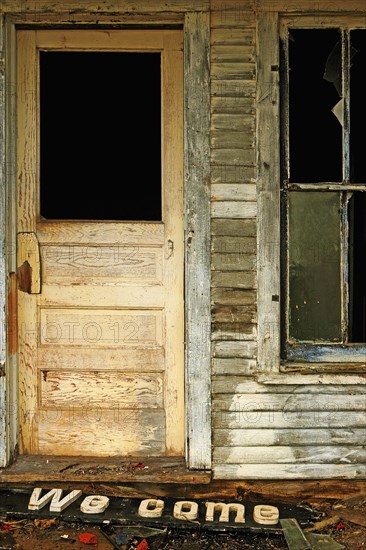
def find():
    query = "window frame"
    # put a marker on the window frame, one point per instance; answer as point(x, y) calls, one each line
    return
point(272, 256)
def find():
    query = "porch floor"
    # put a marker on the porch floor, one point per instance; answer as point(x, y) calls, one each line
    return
point(32, 468)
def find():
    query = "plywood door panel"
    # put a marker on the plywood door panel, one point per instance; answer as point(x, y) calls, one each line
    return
point(101, 345)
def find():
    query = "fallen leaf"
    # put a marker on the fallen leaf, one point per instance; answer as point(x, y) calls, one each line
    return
point(6, 527)
point(45, 523)
point(88, 538)
point(143, 545)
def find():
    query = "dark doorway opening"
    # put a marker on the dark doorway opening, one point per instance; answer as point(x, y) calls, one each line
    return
point(100, 136)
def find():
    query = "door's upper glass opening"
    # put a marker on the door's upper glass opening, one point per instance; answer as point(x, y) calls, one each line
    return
point(100, 136)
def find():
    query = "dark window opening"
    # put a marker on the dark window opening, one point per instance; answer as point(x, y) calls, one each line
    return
point(358, 106)
point(315, 134)
point(323, 255)
point(100, 136)
point(357, 267)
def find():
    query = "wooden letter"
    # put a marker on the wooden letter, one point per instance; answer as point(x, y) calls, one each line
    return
point(57, 505)
point(266, 515)
point(225, 509)
point(189, 512)
point(151, 508)
point(94, 504)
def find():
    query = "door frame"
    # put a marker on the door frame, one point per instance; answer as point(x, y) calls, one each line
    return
point(197, 308)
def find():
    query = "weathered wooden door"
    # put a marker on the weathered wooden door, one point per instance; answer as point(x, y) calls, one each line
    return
point(100, 302)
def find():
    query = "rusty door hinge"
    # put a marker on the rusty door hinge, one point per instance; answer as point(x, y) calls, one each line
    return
point(28, 263)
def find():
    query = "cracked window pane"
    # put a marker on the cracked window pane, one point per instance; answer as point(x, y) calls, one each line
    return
point(314, 267)
point(315, 132)
point(358, 107)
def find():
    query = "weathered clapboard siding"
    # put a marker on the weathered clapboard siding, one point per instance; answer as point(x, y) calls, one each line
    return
point(233, 189)
point(311, 426)
point(233, 195)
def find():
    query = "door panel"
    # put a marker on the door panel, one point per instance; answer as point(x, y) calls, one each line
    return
point(101, 343)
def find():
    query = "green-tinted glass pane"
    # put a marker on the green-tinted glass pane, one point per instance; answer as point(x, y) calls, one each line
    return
point(314, 267)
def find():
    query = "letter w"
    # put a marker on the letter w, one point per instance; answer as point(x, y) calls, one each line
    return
point(36, 502)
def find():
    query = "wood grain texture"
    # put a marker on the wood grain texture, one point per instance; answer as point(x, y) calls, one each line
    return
point(3, 259)
point(309, 437)
point(289, 455)
point(76, 233)
point(111, 307)
point(87, 6)
point(268, 157)
point(173, 282)
point(100, 328)
point(290, 402)
point(85, 358)
point(286, 471)
point(60, 389)
point(73, 264)
point(346, 385)
point(93, 431)
point(197, 260)
point(299, 420)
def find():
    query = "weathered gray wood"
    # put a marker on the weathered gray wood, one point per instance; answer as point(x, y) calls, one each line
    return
point(299, 379)
point(82, 6)
point(268, 193)
point(247, 350)
point(289, 471)
point(233, 297)
point(230, 209)
point(242, 419)
point(348, 385)
point(231, 139)
point(286, 402)
point(238, 228)
point(269, 454)
point(294, 536)
point(233, 36)
point(233, 54)
point(233, 192)
point(308, 5)
point(234, 245)
point(2, 252)
point(234, 314)
point(197, 261)
point(239, 105)
point(233, 71)
point(233, 123)
point(288, 437)
point(233, 262)
point(231, 366)
point(8, 365)
point(233, 279)
point(234, 331)
point(231, 173)
point(231, 14)
point(239, 155)
point(233, 88)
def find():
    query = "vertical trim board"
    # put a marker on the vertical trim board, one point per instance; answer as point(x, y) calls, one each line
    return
point(268, 155)
point(197, 236)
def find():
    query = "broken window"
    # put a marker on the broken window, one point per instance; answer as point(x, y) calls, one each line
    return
point(100, 135)
point(323, 195)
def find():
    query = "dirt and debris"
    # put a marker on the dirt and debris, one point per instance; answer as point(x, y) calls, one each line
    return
point(343, 520)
